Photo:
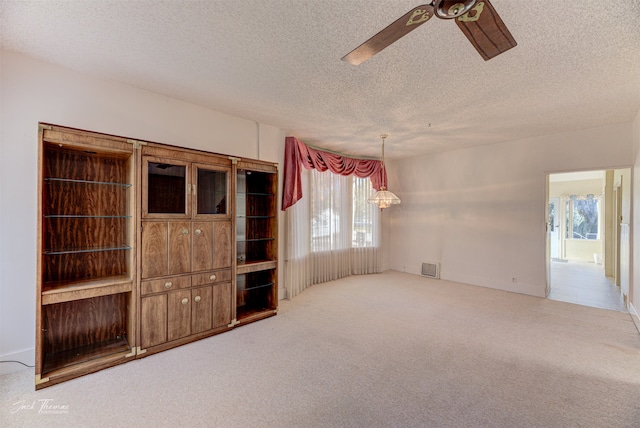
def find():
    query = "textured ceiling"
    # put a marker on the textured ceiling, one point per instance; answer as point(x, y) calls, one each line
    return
point(577, 65)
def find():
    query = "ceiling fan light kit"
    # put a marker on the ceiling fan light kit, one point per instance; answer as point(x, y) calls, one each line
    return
point(477, 19)
point(449, 9)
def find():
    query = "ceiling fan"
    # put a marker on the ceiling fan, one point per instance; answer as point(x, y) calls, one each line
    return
point(477, 19)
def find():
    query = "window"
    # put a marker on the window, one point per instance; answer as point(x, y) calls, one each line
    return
point(332, 232)
point(341, 217)
point(582, 217)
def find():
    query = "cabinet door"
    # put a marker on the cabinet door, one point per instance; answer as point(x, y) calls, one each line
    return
point(166, 188)
point(153, 320)
point(221, 244)
point(179, 247)
point(178, 314)
point(202, 246)
point(221, 305)
point(155, 256)
point(201, 309)
point(211, 190)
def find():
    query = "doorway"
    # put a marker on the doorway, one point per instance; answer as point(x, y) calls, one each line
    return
point(583, 241)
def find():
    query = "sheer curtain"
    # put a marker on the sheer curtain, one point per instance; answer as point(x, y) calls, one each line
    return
point(332, 232)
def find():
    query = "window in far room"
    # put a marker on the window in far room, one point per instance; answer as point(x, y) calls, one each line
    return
point(583, 215)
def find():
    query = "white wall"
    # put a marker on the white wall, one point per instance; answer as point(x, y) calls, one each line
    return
point(577, 187)
point(635, 231)
point(481, 211)
point(32, 91)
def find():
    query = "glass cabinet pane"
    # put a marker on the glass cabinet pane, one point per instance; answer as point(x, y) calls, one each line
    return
point(256, 220)
point(167, 188)
point(211, 191)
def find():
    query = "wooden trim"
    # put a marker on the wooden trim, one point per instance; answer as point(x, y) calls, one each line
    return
point(86, 290)
point(186, 155)
point(81, 139)
point(257, 165)
point(256, 267)
point(256, 317)
point(234, 243)
point(39, 261)
point(134, 237)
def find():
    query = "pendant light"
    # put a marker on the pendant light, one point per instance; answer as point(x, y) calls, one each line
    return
point(384, 198)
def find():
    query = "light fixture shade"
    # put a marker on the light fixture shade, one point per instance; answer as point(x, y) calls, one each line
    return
point(384, 199)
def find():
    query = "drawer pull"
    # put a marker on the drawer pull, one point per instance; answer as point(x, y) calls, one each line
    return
point(197, 298)
point(198, 232)
point(185, 232)
point(212, 277)
point(168, 284)
point(185, 301)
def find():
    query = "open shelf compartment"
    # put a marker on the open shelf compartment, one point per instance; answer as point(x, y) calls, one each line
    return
point(83, 330)
point(255, 293)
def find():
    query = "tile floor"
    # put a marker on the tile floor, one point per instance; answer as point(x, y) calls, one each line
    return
point(584, 284)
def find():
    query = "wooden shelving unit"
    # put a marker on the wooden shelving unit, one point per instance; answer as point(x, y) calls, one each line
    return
point(143, 247)
point(86, 262)
point(256, 240)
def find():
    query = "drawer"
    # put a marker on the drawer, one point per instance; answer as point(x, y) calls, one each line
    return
point(165, 284)
point(211, 277)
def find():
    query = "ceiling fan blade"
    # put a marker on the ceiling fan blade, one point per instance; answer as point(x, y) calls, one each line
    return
point(485, 30)
point(398, 29)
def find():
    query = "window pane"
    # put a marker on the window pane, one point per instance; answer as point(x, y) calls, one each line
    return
point(585, 219)
point(365, 215)
point(326, 210)
point(341, 217)
point(567, 215)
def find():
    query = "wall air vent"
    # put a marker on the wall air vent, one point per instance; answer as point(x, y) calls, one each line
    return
point(431, 270)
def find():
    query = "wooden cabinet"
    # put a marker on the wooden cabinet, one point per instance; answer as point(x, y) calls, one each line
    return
point(86, 259)
point(136, 244)
point(256, 240)
point(171, 248)
point(174, 308)
point(186, 231)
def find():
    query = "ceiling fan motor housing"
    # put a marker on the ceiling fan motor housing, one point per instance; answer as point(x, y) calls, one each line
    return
point(449, 9)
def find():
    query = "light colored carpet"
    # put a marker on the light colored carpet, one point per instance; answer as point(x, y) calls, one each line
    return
point(387, 350)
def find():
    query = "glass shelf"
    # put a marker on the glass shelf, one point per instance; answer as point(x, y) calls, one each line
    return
point(102, 183)
point(255, 193)
point(254, 239)
point(255, 287)
point(87, 250)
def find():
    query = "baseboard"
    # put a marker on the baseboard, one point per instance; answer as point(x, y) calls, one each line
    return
point(634, 315)
point(26, 356)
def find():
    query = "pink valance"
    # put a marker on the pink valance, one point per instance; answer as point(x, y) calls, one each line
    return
point(298, 155)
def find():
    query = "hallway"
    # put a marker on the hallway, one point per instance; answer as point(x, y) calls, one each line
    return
point(584, 284)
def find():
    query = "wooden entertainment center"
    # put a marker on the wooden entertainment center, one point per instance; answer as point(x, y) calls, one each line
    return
point(143, 247)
